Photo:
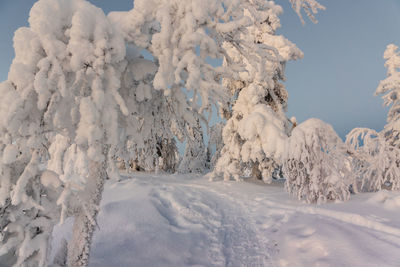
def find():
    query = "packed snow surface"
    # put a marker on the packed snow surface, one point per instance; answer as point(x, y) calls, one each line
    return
point(173, 220)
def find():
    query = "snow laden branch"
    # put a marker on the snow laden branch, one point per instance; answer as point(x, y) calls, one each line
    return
point(180, 36)
point(310, 7)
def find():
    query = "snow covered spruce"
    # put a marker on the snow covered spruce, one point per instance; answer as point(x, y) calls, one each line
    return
point(257, 126)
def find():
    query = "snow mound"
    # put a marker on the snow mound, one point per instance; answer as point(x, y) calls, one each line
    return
point(388, 200)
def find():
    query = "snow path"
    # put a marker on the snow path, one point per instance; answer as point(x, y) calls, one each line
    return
point(176, 224)
point(172, 220)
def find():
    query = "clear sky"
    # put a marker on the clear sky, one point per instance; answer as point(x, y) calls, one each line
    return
point(340, 71)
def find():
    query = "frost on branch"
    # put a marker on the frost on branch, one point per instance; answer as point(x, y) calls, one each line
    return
point(311, 8)
point(316, 166)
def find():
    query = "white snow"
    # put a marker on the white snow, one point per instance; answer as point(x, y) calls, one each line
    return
point(10, 154)
point(177, 220)
point(50, 178)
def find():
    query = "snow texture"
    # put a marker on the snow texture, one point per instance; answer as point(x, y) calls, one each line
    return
point(184, 221)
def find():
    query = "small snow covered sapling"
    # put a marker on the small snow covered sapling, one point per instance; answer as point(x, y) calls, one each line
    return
point(375, 162)
point(316, 165)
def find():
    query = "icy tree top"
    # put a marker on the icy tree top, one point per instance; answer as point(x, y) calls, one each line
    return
point(390, 87)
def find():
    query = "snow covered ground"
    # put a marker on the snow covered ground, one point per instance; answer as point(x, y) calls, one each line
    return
point(164, 220)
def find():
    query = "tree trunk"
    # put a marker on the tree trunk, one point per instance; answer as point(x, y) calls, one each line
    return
point(85, 221)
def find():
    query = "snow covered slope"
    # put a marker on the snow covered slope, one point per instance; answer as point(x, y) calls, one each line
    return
point(163, 220)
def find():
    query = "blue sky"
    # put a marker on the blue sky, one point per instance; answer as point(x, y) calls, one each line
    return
point(335, 81)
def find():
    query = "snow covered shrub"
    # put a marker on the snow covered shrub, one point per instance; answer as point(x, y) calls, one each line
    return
point(316, 166)
point(59, 128)
point(375, 161)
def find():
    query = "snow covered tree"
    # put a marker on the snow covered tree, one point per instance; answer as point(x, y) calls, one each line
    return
point(215, 144)
point(182, 35)
point(150, 142)
point(195, 157)
point(375, 161)
point(60, 110)
point(376, 155)
point(316, 166)
point(390, 89)
point(257, 127)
